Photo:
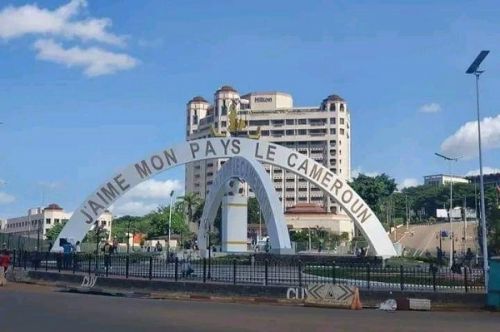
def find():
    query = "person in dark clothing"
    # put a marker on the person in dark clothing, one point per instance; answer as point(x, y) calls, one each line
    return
point(107, 249)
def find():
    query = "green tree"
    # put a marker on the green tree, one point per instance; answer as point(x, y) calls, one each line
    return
point(253, 210)
point(191, 201)
point(54, 231)
point(494, 231)
point(375, 191)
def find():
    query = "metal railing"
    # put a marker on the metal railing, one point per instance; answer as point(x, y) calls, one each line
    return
point(247, 270)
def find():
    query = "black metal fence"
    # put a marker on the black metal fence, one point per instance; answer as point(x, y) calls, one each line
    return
point(240, 270)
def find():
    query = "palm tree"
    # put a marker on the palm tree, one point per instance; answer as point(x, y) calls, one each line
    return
point(191, 202)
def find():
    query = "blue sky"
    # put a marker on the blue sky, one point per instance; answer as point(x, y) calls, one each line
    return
point(90, 87)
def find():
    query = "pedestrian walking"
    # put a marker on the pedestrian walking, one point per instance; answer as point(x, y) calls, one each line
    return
point(107, 249)
point(4, 264)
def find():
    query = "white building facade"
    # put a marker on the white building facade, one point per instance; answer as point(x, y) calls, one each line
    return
point(321, 132)
point(39, 220)
point(442, 179)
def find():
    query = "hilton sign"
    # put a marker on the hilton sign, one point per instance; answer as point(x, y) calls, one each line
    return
point(263, 99)
point(107, 193)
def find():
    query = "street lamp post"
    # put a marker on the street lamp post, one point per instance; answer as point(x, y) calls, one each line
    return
point(451, 204)
point(128, 236)
point(474, 69)
point(169, 221)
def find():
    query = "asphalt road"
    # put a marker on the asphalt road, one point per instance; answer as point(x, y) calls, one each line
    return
point(424, 238)
point(36, 308)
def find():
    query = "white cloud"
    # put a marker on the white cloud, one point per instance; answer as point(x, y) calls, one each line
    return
point(463, 143)
point(408, 182)
point(16, 22)
point(6, 198)
point(358, 170)
point(146, 197)
point(134, 208)
point(486, 170)
point(430, 108)
point(95, 61)
point(67, 22)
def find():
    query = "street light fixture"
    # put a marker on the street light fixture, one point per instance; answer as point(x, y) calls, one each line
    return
point(451, 203)
point(474, 69)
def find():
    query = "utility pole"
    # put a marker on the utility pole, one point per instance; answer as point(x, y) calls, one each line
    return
point(450, 211)
point(465, 224)
point(474, 69)
point(169, 221)
point(407, 213)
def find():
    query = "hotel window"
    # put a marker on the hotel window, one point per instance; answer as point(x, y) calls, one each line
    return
point(56, 221)
point(290, 132)
point(47, 221)
point(103, 222)
point(223, 123)
point(332, 107)
point(290, 121)
point(341, 131)
point(342, 121)
point(332, 120)
point(333, 131)
point(342, 107)
point(302, 121)
point(302, 132)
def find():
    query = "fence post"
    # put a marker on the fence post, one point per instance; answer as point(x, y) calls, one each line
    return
point(204, 269)
point(234, 271)
point(74, 263)
point(401, 281)
point(368, 270)
point(300, 273)
point(176, 268)
point(266, 267)
point(434, 270)
point(150, 267)
point(334, 272)
point(36, 260)
point(127, 260)
point(25, 258)
point(14, 261)
point(46, 261)
point(59, 261)
point(466, 282)
point(90, 262)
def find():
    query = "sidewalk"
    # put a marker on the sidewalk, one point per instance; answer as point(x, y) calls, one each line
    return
point(219, 292)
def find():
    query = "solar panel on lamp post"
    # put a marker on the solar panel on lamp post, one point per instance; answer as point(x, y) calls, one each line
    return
point(474, 69)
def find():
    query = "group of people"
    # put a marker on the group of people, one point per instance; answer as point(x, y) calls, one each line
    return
point(467, 260)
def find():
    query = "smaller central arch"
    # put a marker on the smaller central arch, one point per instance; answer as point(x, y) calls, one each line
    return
point(256, 176)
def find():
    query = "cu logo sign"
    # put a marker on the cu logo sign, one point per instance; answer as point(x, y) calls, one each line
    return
point(89, 281)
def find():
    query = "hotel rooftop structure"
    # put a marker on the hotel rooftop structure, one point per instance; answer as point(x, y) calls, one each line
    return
point(321, 132)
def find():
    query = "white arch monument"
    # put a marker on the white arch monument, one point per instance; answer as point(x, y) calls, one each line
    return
point(255, 175)
point(106, 194)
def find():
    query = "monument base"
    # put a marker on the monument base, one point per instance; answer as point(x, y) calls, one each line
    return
point(234, 224)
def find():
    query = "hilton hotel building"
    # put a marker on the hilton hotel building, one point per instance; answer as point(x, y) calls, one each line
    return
point(321, 132)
